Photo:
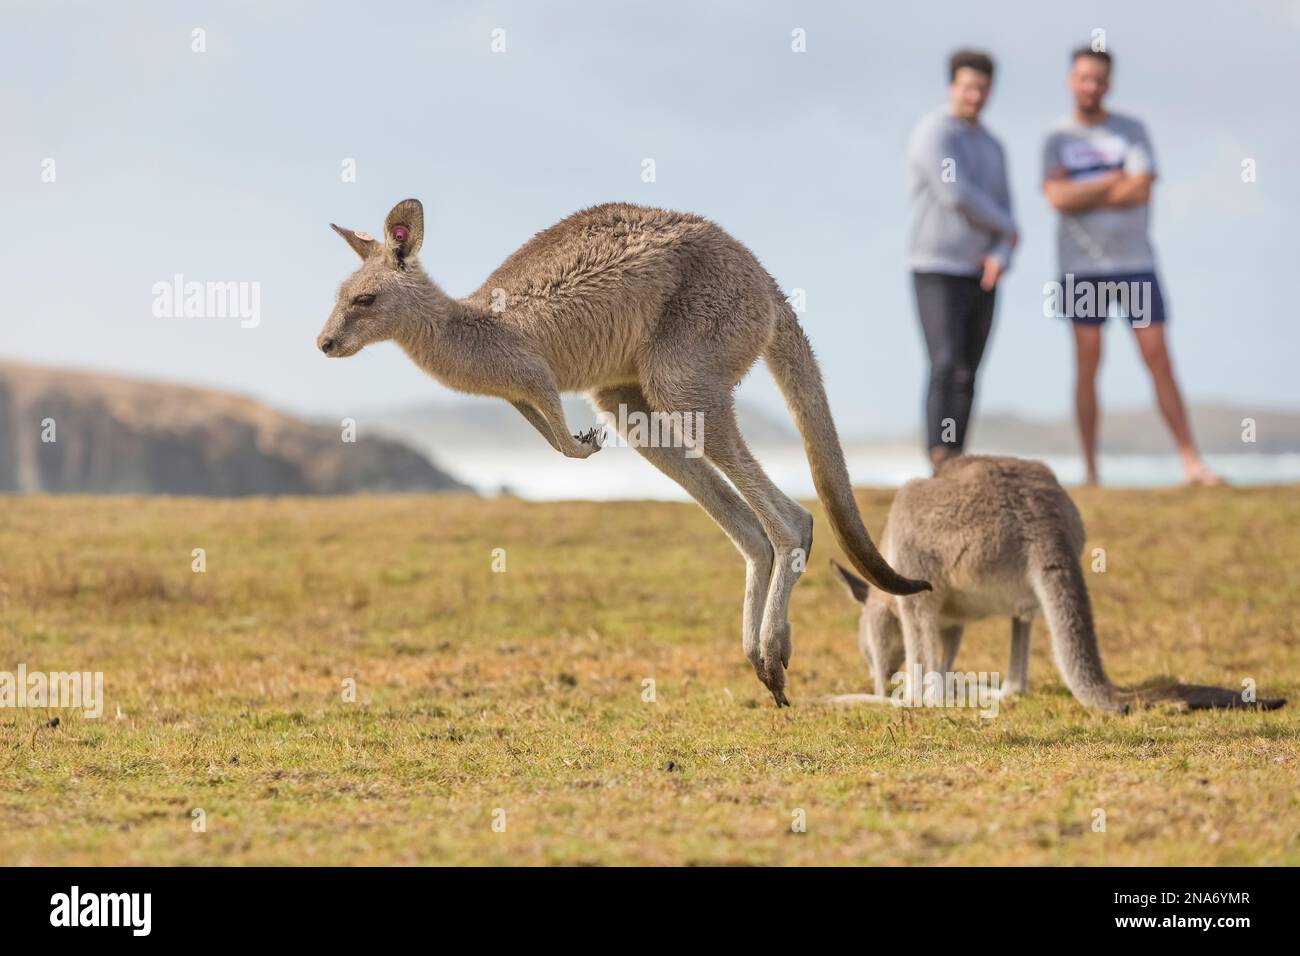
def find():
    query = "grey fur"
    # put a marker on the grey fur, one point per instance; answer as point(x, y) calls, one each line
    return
point(654, 309)
point(997, 536)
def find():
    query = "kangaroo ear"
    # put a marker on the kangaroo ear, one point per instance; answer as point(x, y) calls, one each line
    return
point(363, 244)
point(857, 587)
point(404, 230)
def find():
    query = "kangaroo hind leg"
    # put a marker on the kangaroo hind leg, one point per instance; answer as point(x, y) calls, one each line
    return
point(709, 397)
point(719, 500)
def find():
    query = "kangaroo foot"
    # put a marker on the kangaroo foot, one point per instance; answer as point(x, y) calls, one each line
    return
point(771, 672)
point(773, 659)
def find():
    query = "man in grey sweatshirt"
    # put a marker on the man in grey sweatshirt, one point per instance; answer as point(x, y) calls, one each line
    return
point(962, 236)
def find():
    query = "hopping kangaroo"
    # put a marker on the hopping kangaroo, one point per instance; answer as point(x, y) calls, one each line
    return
point(659, 312)
point(996, 537)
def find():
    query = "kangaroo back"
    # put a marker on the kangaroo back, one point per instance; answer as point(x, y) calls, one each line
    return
point(790, 358)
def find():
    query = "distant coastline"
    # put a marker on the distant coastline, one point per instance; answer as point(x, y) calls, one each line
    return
point(621, 474)
point(489, 446)
point(117, 434)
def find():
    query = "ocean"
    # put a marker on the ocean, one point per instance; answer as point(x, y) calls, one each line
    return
point(619, 473)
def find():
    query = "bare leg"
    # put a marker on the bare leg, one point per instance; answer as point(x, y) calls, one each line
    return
point(1017, 681)
point(1155, 352)
point(950, 637)
point(1087, 354)
point(703, 483)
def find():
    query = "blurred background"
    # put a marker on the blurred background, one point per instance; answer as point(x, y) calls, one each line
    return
point(216, 141)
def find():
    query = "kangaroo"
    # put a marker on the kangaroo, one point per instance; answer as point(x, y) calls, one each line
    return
point(656, 311)
point(996, 537)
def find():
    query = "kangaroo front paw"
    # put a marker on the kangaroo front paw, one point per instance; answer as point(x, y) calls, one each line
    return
point(588, 442)
point(590, 437)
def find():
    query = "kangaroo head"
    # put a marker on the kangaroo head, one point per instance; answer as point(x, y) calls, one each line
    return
point(880, 633)
point(386, 292)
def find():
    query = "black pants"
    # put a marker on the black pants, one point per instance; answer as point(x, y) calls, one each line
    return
point(956, 315)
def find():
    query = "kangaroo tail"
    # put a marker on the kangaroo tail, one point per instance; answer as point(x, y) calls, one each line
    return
point(790, 358)
point(1200, 697)
point(1063, 596)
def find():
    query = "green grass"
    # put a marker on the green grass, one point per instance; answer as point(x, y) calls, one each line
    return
point(523, 691)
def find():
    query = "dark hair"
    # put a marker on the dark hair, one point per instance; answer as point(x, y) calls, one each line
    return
point(974, 59)
point(1095, 54)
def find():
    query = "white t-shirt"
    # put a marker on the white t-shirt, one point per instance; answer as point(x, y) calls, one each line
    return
point(1103, 241)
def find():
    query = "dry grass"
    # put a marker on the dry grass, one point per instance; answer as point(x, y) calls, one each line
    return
point(523, 691)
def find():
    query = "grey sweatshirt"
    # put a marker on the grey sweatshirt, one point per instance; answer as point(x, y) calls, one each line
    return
point(961, 205)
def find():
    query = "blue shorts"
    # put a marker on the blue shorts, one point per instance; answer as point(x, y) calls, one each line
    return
point(1089, 300)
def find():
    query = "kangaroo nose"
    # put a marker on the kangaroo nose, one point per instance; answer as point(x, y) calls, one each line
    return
point(327, 346)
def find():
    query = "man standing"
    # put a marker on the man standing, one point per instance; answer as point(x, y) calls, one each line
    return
point(1098, 169)
point(960, 245)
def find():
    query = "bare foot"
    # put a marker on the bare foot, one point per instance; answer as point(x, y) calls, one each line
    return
point(1199, 476)
point(938, 455)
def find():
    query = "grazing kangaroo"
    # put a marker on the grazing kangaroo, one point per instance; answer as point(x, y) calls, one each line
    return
point(996, 537)
point(659, 312)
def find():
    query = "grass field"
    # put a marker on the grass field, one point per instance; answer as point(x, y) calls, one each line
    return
point(479, 692)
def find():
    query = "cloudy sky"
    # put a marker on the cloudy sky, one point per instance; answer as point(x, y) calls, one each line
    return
point(225, 165)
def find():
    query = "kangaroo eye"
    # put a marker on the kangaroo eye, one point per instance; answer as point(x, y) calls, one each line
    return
point(363, 300)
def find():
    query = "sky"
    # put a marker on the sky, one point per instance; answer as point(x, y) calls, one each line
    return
point(227, 165)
